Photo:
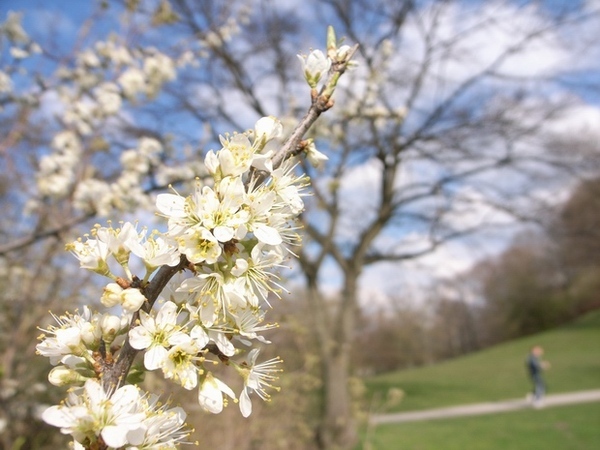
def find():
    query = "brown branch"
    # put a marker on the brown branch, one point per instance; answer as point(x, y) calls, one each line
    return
point(21, 243)
point(115, 374)
point(321, 102)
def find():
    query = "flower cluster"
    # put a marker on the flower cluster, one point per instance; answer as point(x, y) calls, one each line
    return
point(226, 240)
point(92, 93)
point(14, 41)
point(95, 92)
point(125, 418)
point(207, 279)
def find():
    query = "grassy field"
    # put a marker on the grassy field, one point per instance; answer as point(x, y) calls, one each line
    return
point(495, 374)
point(575, 427)
point(498, 373)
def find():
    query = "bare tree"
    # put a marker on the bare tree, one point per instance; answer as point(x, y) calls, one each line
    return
point(439, 135)
point(436, 143)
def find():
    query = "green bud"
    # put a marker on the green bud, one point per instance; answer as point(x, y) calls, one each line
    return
point(64, 376)
point(331, 43)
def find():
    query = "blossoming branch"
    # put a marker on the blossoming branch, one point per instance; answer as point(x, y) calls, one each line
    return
point(203, 297)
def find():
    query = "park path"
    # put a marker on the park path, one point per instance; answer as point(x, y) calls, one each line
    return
point(477, 409)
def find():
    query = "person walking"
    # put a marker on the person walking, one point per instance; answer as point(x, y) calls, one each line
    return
point(535, 367)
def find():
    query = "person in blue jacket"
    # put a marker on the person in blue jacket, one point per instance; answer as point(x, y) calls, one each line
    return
point(536, 367)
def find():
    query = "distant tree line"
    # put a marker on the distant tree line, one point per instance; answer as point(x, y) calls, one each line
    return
point(544, 278)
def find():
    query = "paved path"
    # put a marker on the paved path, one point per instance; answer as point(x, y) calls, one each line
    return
point(485, 408)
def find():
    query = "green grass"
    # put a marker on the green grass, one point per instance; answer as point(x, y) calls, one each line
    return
point(575, 427)
point(495, 374)
point(499, 373)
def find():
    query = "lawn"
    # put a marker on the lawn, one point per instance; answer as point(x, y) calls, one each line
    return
point(495, 374)
point(574, 427)
point(498, 373)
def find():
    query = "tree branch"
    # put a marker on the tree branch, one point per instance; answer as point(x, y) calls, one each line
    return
point(114, 375)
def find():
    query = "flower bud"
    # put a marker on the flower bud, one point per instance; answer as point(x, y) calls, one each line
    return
point(211, 162)
point(133, 299)
point(315, 66)
point(112, 295)
point(331, 42)
point(110, 326)
point(343, 52)
point(267, 128)
point(90, 334)
point(63, 376)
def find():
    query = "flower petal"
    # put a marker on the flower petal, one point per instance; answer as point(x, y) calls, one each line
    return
point(223, 234)
point(210, 397)
point(223, 343)
point(167, 314)
point(58, 416)
point(245, 403)
point(115, 436)
point(140, 338)
point(171, 205)
point(154, 357)
point(267, 235)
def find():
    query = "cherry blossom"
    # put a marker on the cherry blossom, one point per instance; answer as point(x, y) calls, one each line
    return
point(208, 276)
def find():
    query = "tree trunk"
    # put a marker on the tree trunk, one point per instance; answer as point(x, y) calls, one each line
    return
point(338, 427)
point(338, 430)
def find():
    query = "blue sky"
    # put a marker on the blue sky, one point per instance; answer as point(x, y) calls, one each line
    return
point(57, 22)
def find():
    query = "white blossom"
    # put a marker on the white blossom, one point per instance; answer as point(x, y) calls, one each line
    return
point(163, 428)
point(210, 394)
point(342, 52)
point(91, 412)
point(118, 54)
point(266, 129)
point(150, 148)
point(75, 335)
point(6, 84)
point(179, 364)
point(13, 29)
point(156, 334)
point(314, 156)
point(288, 188)
point(108, 96)
point(125, 418)
point(110, 326)
point(234, 158)
point(159, 66)
point(92, 255)
point(66, 140)
point(198, 244)
point(111, 295)
point(119, 240)
point(156, 251)
point(133, 82)
point(93, 196)
point(65, 342)
point(248, 324)
point(88, 58)
point(215, 265)
point(315, 65)
point(18, 53)
point(257, 378)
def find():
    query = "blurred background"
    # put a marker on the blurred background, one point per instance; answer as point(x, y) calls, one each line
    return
point(455, 225)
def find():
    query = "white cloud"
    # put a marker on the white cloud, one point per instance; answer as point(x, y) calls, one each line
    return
point(579, 119)
point(482, 33)
point(469, 36)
